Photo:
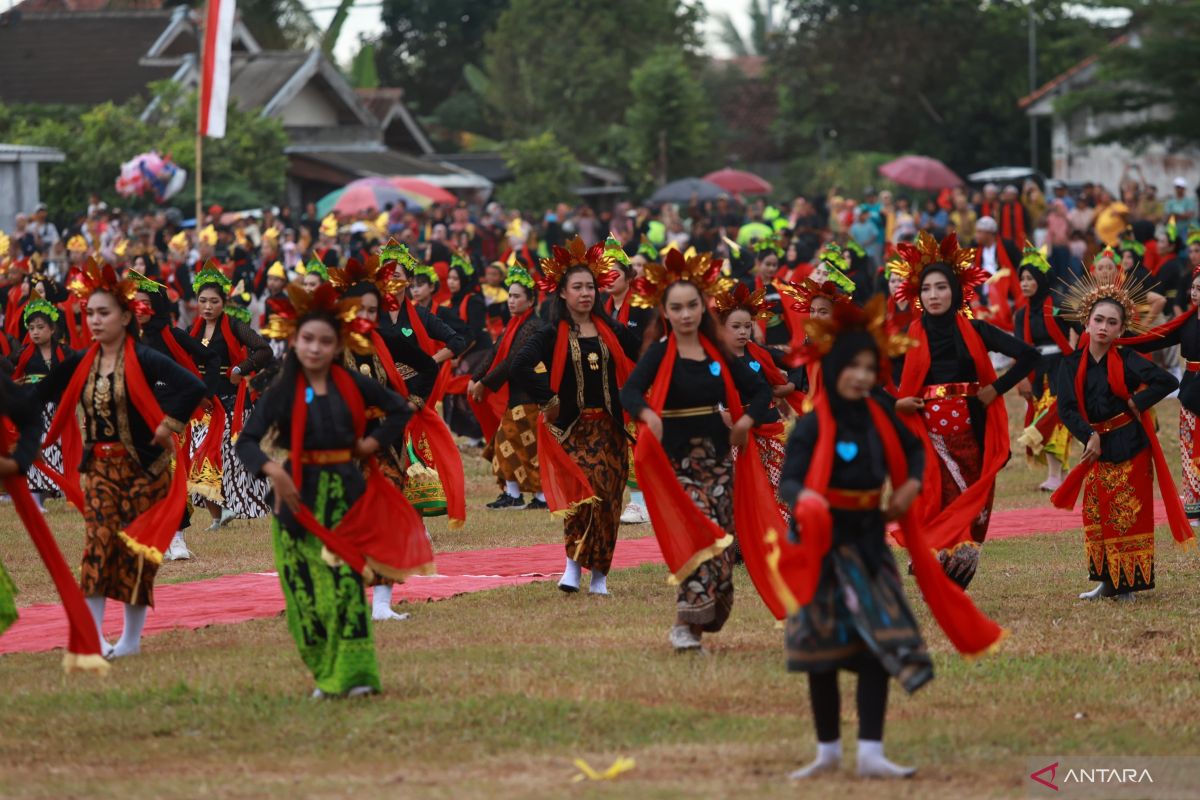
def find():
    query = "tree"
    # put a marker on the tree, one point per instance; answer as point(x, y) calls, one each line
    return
point(666, 126)
point(544, 173)
point(1149, 93)
point(363, 74)
point(277, 24)
point(762, 29)
point(565, 66)
point(426, 44)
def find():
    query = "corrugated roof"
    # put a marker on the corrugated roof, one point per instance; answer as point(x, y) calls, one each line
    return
point(255, 81)
point(374, 162)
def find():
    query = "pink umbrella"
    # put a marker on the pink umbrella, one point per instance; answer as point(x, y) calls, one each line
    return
point(920, 172)
point(417, 186)
point(737, 181)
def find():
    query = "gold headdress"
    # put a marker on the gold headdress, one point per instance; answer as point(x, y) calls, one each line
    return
point(576, 253)
point(208, 236)
point(925, 251)
point(388, 280)
point(741, 298)
point(77, 244)
point(698, 269)
point(93, 277)
point(1131, 294)
point(803, 293)
point(286, 314)
point(847, 317)
point(179, 243)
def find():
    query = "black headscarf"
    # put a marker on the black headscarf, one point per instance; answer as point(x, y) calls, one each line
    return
point(160, 308)
point(1042, 279)
point(946, 324)
point(845, 348)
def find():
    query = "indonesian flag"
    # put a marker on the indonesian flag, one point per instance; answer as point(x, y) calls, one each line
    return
point(214, 78)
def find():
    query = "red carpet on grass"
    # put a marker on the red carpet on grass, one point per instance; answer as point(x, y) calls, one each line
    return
point(238, 598)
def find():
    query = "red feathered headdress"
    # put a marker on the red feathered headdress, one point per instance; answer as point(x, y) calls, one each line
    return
point(93, 277)
point(742, 299)
point(287, 312)
point(389, 279)
point(925, 251)
point(576, 253)
point(699, 269)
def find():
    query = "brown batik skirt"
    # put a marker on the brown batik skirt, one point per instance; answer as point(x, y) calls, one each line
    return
point(706, 596)
point(514, 448)
point(597, 444)
point(117, 490)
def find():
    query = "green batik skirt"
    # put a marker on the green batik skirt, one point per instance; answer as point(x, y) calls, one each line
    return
point(8, 600)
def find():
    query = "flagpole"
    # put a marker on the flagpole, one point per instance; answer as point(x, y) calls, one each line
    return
point(199, 116)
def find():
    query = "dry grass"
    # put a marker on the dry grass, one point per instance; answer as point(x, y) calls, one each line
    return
point(493, 694)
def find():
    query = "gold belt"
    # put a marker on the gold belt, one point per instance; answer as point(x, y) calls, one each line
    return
point(695, 411)
point(312, 457)
point(1191, 366)
point(853, 499)
point(1110, 425)
point(941, 391)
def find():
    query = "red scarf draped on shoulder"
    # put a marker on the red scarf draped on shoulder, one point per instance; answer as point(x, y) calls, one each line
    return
point(151, 532)
point(491, 410)
point(426, 422)
point(798, 567)
point(237, 355)
point(13, 311)
point(27, 356)
point(1052, 328)
point(79, 334)
point(1004, 296)
point(945, 527)
point(774, 375)
point(83, 641)
point(622, 315)
point(381, 531)
point(563, 482)
point(1068, 494)
point(1154, 334)
point(210, 447)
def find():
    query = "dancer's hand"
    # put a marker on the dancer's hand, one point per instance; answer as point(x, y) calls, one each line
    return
point(235, 376)
point(163, 437)
point(987, 394)
point(909, 405)
point(1025, 389)
point(784, 390)
point(366, 447)
point(283, 486)
point(1092, 451)
point(653, 423)
point(445, 354)
point(902, 499)
point(810, 495)
point(8, 467)
point(739, 434)
point(475, 390)
point(550, 413)
point(1133, 409)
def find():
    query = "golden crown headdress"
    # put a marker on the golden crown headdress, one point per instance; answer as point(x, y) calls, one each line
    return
point(698, 269)
point(576, 253)
point(389, 280)
point(847, 317)
point(93, 277)
point(1131, 294)
point(286, 313)
point(742, 299)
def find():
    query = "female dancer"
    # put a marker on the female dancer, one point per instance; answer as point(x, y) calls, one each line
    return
point(581, 436)
point(469, 308)
point(319, 409)
point(1102, 405)
point(1039, 324)
point(947, 393)
point(232, 492)
point(43, 353)
point(513, 449)
point(848, 609)
point(132, 498)
point(691, 385)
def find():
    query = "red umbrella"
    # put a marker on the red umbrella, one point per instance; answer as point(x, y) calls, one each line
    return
point(920, 172)
point(424, 188)
point(736, 181)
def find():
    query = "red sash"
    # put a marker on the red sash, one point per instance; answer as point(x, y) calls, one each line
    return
point(237, 355)
point(23, 361)
point(775, 375)
point(495, 404)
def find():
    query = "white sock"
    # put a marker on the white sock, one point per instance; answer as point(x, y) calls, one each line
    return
point(130, 643)
point(513, 489)
point(95, 604)
point(381, 604)
point(873, 764)
point(637, 497)
point(541, 496)
point(829, 758)
point(37, 498)
point(599, 583)
point(571, 574)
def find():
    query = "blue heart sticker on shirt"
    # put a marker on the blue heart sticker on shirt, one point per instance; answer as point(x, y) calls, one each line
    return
point(715, 368)
point(847, 450)
point(407, 331)
point(754, 365)
point(308, 395)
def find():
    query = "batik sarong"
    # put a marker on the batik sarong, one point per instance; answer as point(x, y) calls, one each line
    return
point(597, 444)
point(1189, 457)
point(52, 455)
point(1118, 523)
point(514, 449)
point(705, 597)
point(960, 462)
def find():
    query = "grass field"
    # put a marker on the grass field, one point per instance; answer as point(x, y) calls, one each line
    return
point(494, 694)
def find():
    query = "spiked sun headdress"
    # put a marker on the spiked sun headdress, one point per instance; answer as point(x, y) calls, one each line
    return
point(1131, 294)
point(602, 265)
point(286, 314)
point(698, 269)
point(925, 251)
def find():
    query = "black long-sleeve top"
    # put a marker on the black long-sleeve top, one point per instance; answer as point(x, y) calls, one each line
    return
point(329, 427)
point(694, 384)
point(258, 356)
point(950, 361)
point(108, 418)
point(36, 367)
point(416, 367)
point(206, 359)
point(771, 415)
point(1047, 367)
point(20, 404)
point(438, 330)
point(1187, 336)
point(599, 389)
point(866, 471)
point(495, 373)
point(1102, 403)
point(475, 321)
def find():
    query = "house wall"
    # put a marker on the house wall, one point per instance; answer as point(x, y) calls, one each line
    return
point(1077, 161)
point(309, 108)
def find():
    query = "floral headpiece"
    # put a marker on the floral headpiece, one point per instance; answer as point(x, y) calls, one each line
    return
point(315, 266)
point(286, 313)
point(835, 265)
point(93, 277)
point(1194, 236)
point(461, 261)
point(614, 250)
point(803, 293)
point(208, 235)
point(647, 249)
point(1172, 230)
point(239, 302)
point(329, 226)
point(576, 253)
point(178, 244)
point(212, 272)
point(519, 275)
point(742, 299)
point(40, 305)
point(144, 284)
point(856, 248)
point(772, 244)
point(1109, 253)
point(848, 318)
point(925, 251)
point(388, 279)
point(421, 268)
point(1130, 294)
point(1035, 258)
point(833, 256)
point(698, 269)
point(398, 253)
point(1132, 246)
